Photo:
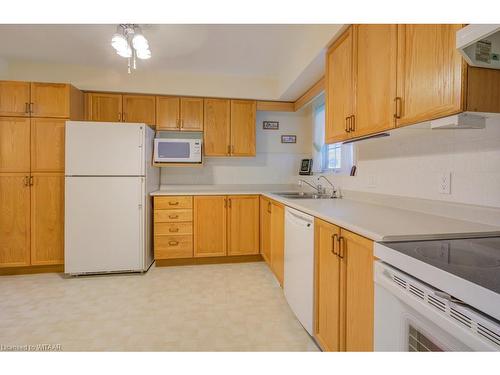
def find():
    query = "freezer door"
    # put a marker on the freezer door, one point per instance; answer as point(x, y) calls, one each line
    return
point(104, 149)
point(104, 224)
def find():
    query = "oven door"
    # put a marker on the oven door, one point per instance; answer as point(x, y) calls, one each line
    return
point(177, 150)
point(407, 320)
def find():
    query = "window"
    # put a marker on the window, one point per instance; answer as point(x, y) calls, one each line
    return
point(336, 158)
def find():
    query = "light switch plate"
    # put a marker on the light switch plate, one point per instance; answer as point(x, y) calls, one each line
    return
point(444, 183)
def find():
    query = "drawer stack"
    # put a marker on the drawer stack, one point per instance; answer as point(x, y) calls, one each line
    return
point(173, 227)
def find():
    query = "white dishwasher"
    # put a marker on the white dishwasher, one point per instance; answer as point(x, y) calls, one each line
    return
point(299, 265)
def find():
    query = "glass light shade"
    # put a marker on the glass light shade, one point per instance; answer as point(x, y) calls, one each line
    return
point(140, 43)
point(119, 42)
point(143, 54)
point(127, 52)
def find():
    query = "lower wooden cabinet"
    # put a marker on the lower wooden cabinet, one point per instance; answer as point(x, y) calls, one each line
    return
point(14, 220)
point(243, 224)
point(272, 235)
point(344, 289)
point(265, 229)
point(47, 219)
point(210, 222)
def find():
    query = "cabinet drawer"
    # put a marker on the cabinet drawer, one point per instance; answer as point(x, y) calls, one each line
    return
point(173, 228)
point(168, 247)
point(172, 216)
point(173, 202)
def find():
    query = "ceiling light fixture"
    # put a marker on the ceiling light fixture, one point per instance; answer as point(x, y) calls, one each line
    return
point(130, 42)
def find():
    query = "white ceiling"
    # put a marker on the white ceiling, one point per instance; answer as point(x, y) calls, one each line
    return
point(263, 51)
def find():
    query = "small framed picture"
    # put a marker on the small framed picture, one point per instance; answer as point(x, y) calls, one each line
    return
point(288, 139)
point(270, 125)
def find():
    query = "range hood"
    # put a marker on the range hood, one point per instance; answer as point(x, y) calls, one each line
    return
point(480, 45)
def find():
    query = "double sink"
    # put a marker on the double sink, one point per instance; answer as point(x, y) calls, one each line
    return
point(302, 195)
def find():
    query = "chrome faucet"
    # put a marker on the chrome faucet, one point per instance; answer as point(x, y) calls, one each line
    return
point(317, 188)
point(333, 187)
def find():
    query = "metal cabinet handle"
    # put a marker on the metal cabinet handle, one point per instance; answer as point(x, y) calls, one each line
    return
point(352, 125)
point(399, 107)
point(31, 107)
point(173, 203)
point(173, 230)
point(341, 253)
point(346, 126)
point(334, 240)
point(229, 202)
point(31, 180)
point(26, 107)
point(173, 216)
point(181, 123)
point(173, 243)
point(26, 180)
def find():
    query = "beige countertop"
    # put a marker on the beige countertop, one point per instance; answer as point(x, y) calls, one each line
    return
point(377, 222)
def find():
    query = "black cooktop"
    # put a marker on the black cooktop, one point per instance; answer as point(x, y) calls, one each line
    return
point(476, 260)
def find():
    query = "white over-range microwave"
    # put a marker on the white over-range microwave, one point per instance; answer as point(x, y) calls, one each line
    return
point(173, 150)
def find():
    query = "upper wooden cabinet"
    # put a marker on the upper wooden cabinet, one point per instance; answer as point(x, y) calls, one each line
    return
point(382, 76)
point(217, 133)
point(243, 113)
point(37, 99)
point(430, 73)
point(14, 144)
point(104, 107)
point(339, 88)
point(14, 98)
point(167, 113)
point(181, 114)
point(47, 145)
point(375, 62)
point(344, 289)
point(210, 225)
point(139, 108)
point(243, 224)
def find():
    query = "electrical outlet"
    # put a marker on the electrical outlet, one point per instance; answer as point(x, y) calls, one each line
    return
point(372, 181)
point(444, 183)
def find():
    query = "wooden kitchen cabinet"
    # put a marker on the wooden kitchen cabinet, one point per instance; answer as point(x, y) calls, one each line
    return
point(191, 114)
point(243, 113)
point(328, 270)
point(210, 222)
point(167, 113)
point(278, 240)
point(139, 108)
point(375, 63)
point(14, 220)
point(50, 100)
point(265, 229)
point(14, 98)
point(14, 144)
point(243, 224)
point(339, 88)
point(104, 107)
point(47, 219)
point(344, 289)
point(47, 145)
point(430, 72)
point(217, 132)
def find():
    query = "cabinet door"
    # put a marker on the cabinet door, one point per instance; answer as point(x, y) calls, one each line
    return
point(50, 100)
point(14, 144)
point(14, 98)
point(339, 91)
point(328, 273)
point(243, 114)
point(14, 220)
point(105, 107)
point(243, 224)
point(139, 108)
point(358, 258)
point(375, 78)
point(265, 229)
point(167, 113)
point(47, 145)
point(209, 226)
point(429, 72)
point(47, 219)
point(217, 119)
point(192, 114)
point(278, 240)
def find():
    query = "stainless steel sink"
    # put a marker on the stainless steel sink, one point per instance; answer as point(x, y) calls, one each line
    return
point(301, 195)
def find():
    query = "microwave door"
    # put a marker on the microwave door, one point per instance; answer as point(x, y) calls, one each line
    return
point(173, 151)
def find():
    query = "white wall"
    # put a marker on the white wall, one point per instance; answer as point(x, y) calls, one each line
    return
point(275, 163)
point(409, 162)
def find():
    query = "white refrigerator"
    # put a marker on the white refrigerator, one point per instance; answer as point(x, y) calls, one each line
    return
point(108, 208)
